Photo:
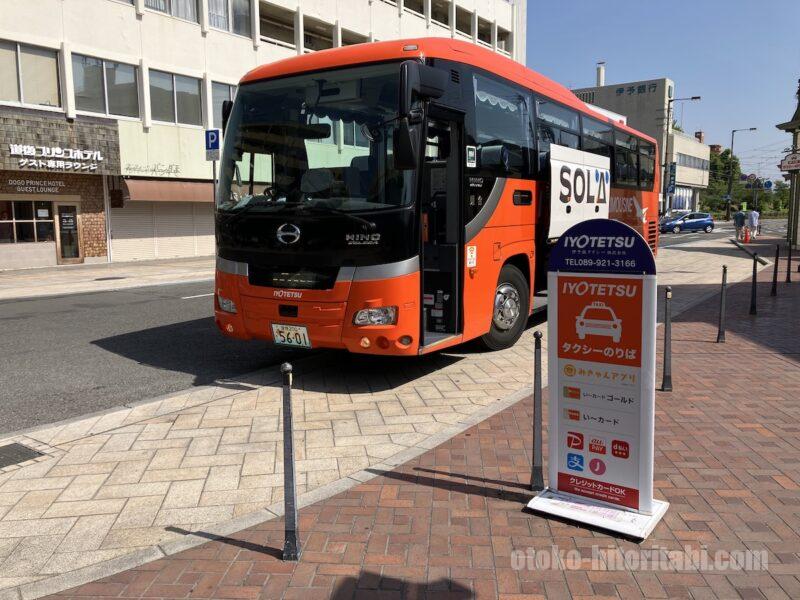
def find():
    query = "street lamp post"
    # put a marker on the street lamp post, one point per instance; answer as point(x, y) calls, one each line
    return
point(730, 172)
point(667, 205)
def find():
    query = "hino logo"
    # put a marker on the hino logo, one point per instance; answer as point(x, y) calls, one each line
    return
point(362, 239)
point(288, 233)
point(287, 294)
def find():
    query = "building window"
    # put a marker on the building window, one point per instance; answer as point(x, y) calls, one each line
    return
point(103, 86)
point(277, 25)
point(440, 12)
point(504, 40)
point(414, 6)
point(219, 93)
point(230, 15)
point(692, 162)
point(28, 74)
point(26, 221)
point(484, 32)
point(183, 9)
point(318, 35)
point(175, 98)
point(463, 21)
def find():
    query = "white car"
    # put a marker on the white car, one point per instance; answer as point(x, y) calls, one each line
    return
point(598, 319)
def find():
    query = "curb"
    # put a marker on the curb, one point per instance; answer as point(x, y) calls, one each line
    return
point(741, 246)
point(137, 286)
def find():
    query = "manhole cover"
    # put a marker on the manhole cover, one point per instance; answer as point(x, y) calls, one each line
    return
point(13, 454)
point(109, 278)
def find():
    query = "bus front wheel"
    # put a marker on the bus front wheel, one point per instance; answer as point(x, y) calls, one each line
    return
point(510, 309)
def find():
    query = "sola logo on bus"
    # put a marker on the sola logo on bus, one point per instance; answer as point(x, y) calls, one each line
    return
point(584, 184)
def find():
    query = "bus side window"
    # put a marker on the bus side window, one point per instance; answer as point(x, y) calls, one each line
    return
point(555, 124)
point(647, 165)
point(502, 128)
point(598, 137)
point(626, 163)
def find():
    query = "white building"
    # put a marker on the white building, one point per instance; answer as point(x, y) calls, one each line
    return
point(129, 86)
point(646, 105)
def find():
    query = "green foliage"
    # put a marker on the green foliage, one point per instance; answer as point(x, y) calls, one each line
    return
point(712, 199)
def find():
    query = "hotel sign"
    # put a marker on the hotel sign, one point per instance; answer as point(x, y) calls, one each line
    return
point(55, 158)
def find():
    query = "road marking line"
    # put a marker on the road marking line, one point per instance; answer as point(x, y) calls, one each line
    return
point(197, 296)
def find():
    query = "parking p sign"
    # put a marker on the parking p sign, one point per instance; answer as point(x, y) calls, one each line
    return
point(601, 362)
point(213, 137)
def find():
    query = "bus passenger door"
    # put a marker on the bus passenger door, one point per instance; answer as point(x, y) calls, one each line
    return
point(441, 226)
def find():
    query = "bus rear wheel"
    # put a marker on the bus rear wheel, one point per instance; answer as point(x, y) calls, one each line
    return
point(510, 309)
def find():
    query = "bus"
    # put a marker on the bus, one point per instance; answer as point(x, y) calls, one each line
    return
point(402, 197)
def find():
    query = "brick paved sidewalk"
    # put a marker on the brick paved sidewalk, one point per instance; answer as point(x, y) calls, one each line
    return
point(75, 279)
point(444, 525)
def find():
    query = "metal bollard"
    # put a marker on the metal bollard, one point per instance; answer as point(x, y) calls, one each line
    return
point(789, 265)
point(291, 544)
point(666, 382)
point(774, 290)
point(537, 476)
point(753, 286)
point(722, 294)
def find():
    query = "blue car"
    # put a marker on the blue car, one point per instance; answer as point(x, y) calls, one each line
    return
point(693, 221)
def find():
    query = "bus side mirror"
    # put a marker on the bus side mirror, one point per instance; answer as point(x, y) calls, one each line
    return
point(227, 106)
point(404, 146)
point(421, 80)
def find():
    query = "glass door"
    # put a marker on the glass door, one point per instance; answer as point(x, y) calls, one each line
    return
point(68, 239)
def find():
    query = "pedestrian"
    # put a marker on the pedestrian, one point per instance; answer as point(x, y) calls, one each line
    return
point(738, 221)
point(752, 222)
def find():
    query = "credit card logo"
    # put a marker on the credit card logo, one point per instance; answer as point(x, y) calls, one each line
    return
point(572, 393)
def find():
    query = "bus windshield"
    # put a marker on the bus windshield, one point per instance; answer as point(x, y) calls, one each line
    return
point(321, 140)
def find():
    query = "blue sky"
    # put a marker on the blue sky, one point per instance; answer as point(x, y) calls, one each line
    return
point(741, 56)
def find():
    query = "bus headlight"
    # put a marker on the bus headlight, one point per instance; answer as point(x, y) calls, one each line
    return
point(384, 315)
point(226, 304)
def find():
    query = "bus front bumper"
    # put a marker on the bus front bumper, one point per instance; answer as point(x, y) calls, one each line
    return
point(326, 315)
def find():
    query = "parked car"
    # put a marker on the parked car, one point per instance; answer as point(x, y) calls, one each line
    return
point(693, 221)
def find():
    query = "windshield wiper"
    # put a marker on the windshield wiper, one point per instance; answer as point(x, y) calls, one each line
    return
point(369, 225)
point(233, 215)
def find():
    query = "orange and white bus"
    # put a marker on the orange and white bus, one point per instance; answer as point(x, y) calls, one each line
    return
point(401, 197)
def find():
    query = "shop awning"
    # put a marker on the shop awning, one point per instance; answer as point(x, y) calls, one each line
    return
point(163, 190)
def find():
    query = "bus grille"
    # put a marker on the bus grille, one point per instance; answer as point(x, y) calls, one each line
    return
point(652, 234)
point(298, 278)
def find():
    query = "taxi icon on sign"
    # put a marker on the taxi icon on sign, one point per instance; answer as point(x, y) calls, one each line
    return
point(598, 319)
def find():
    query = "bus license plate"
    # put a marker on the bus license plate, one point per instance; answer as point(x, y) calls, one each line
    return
point(290, 335)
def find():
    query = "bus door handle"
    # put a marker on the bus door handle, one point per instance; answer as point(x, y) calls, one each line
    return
point(523, 198)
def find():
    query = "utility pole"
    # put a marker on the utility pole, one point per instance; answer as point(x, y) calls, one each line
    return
point(667, 131)
point(730, 173)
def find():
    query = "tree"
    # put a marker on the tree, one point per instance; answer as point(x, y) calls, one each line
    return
point(676, 126)
point(712, 198)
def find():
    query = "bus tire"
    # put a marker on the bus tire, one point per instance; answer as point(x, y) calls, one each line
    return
point(510, 308)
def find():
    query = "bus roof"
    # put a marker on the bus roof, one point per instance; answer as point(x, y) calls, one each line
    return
point(433, 47)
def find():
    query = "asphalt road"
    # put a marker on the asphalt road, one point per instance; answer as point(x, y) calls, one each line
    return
point(722, 229)
point(67, 356)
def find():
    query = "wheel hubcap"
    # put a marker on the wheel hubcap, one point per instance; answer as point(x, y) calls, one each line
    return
point(506, 306)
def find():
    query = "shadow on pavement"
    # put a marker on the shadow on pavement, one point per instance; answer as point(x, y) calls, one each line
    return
point(515, 484)
point(375, 585)
point(194, 347)
point(273, 552)
point(197, 348)
point(455, 486)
